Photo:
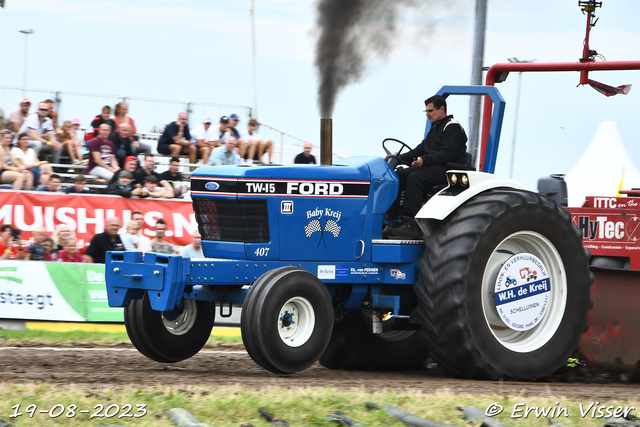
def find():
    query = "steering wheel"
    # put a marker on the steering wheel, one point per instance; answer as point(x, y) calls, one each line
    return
point(393, 159)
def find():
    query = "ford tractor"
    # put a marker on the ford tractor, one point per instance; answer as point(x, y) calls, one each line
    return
point(300, 248)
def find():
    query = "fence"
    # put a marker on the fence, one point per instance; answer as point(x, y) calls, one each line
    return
point(151, 115)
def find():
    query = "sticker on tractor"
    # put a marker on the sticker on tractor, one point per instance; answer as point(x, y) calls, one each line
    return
point(212, 186)
point(326, 272)
point(331, 226)
point(399, 275)
point(522, 292)
point(286, 207)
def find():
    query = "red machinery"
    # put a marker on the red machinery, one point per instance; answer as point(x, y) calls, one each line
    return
point(610, 227)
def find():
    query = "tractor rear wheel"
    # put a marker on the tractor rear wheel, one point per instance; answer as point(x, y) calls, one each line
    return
point(169, 337)
point(286, 320)
point(504, 288)
point(354, 346)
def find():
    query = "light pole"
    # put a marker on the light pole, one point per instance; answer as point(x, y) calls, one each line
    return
point(24, 79)
point(515, 120)
point(253, 45)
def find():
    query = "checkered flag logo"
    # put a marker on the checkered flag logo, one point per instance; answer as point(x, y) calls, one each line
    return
point(332, 227)
point(312, 227)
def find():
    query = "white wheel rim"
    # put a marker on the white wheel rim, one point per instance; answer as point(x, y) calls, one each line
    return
point(296, 321)
point(185, 321)
point(538, 245)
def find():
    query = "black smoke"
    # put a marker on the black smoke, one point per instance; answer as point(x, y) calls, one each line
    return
point(352, 32)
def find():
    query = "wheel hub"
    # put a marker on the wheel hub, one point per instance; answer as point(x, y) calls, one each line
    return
point(296, 321)
point(180, 324)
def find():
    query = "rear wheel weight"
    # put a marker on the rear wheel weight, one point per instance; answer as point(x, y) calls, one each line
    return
point(460, 277)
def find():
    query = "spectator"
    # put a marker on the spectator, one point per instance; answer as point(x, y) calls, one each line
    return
point(19, 176)
point(305, 158)
point(123, 186)
point(18, 116)
point(131, 165)
point(225, 155)
point(49, 254)
point(194, 250)
point(61, 235)
point(66, 136)
point(126, 144)
point(3, 120)
point(251, 137)
point(173, 176)
point(146, 170)
point(176, 139)
point(78, 187)
point(76, 133)
point(153, 190)
point(120, 116)
point(36, 251)
point(53, 114)
point(53, 185)
point(7, 237)
point(223, 131)
point(26, 157)
point(101, 119)
point(204, 138)
point(70, 252)
point(102, 160)
point(130, 238)
point(144, 243)
point(234, 119)
point(158, 244)
point(104, 242)
point(39, 127)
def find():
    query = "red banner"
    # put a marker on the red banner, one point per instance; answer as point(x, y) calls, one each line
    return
point(87, 215)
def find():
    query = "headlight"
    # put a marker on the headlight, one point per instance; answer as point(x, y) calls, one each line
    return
point(464, 180)
point(453, 178)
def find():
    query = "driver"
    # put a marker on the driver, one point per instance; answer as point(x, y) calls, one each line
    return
point(446, 142)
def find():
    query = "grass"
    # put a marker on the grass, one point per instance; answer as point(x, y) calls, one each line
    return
point(31, 337)
point(235, 405)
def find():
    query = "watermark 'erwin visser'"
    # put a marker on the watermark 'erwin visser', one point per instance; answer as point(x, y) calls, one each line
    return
point(592, 410)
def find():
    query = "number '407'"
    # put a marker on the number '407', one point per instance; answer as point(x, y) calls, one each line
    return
point(262, 251)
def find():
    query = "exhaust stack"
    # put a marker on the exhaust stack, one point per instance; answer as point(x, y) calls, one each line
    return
point(326, 141)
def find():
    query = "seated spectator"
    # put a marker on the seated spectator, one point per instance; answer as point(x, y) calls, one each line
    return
point(66, 136)
point(222, 131)
point(53, 114)
point(204, 138)
point(130, 238)
point(141, 174)
point(27, 157)
point(49, 253)
point(39, 129)
point(101, 119)
point(232, 129)
point(19, 176)
point(36, 250)
point(61, 235)
point(305, 158)
point(153, 190)
point(225, 155)
point(158, 244)
point(176, 139)
point(102, 152)
point(70, 252)
point(123, 187)
point(120, 116)
point(251, 137)
point(53, 185)
point(131, 165)
point(127, 144)
point(173, 177)
point(104, 242)
point(194, 250)
point(9, 236)
point(19, 115)
point(78, 187)
point(77, 133)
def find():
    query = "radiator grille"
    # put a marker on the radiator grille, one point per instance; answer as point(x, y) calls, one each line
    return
point(232, 220)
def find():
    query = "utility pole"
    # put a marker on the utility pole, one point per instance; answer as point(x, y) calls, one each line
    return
point(476, 76)
point(24, 77)
point(515, 120)
point(253, 43)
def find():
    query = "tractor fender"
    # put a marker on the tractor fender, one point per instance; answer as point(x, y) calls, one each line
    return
point(452, 197)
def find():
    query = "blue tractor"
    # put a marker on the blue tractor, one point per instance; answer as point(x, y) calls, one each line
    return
point(300, 248)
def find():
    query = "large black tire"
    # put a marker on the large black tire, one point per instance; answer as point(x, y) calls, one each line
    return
point(459, 275)
point(169, 337)
point(286, 320)
point(354, 346)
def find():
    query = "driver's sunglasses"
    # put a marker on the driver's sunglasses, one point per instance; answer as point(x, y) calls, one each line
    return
point(429, 111)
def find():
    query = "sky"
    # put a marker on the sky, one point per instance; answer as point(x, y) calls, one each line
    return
point(201, 51)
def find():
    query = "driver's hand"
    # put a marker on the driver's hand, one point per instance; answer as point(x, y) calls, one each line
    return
point(417, 162)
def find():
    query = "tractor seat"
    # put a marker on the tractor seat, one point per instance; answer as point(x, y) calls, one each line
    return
point(467, 166)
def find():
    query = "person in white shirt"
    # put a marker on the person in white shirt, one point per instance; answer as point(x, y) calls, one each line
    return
point(250, 137)
point(204, 137)
point(39, 127)
point(144, 243)
point(194, 250)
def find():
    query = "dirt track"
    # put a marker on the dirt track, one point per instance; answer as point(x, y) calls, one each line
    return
point(229, 365)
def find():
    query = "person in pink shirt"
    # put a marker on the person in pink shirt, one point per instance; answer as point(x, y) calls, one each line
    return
point(70, 252)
